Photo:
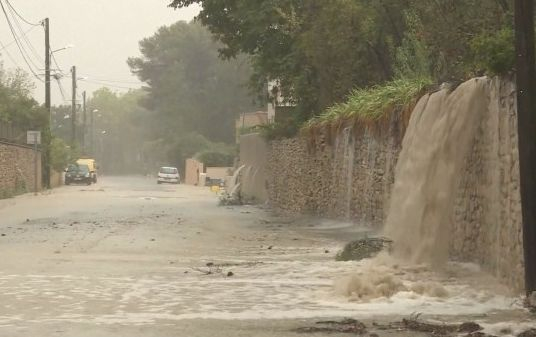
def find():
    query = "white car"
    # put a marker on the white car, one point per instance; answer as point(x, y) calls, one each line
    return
point(169, 175)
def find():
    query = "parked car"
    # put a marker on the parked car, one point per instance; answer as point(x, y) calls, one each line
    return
point(168, 174)
point(78, 173)
point(92, 164)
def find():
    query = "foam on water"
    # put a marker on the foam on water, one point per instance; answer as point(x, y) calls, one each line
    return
point(295, 282)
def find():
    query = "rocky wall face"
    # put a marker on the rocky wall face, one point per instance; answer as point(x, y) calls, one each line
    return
point(351, 178)
point(348, 177)
point(17, 169)
point(487, 224)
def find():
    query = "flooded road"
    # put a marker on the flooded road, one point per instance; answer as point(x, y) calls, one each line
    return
point(128, 257)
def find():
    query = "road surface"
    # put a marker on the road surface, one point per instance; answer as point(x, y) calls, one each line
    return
point(128, 257)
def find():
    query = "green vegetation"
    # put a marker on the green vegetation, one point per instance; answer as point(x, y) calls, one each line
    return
point(61, 154)
point(494, 52)
point(214, 158)
point(362, 249)
point(16, 103)
point(332, 61)
point(322, 51)
point(122, 126)
point(279, 130)
point(372, 104)
point(189, 88)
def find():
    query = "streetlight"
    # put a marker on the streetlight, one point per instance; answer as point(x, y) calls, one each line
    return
point(66, 47)
point(69, 46)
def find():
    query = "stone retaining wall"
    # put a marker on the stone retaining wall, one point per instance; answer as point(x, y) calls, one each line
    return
point(350, 178)
point(17, 170)
point(347, 177)
point(487, 224)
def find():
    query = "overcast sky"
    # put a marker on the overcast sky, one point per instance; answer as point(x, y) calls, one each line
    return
point(104, 34)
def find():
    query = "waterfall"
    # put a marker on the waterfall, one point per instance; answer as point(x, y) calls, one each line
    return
point(436, 143)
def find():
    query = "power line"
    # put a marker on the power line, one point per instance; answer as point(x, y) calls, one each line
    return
point(60, 86)
point(20, 16)
point(9, 55)
point(23, 36)
point(57, 65)
point(18, 42)
point(107, 84)
point(7, 45)
point(102, 79)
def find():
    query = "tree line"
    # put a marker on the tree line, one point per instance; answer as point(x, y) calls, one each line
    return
point(319, 51)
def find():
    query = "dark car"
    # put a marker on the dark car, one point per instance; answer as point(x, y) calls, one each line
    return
point(78, 174)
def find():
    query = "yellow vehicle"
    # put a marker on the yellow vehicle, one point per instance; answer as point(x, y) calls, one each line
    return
point(92, 164)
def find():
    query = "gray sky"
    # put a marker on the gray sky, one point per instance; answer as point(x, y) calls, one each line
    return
point(104, 34)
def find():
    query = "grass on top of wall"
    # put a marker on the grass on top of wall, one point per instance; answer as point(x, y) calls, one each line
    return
point(369, 105)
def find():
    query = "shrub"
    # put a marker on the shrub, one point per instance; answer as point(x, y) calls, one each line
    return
point(61, 155)
point(494, 52)
point(363, 249)
point(373, 103)
point(214, 158)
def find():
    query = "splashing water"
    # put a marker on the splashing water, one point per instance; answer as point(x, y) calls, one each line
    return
point(441, 132)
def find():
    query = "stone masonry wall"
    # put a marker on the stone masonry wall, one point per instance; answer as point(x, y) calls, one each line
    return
point(487, 225)
point(348, 177)
point(17, 168)
point(351, 177)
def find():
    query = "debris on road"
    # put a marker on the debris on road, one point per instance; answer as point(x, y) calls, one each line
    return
point(347, 325)
point(210, 270)
point(413, 324)
point(472, 329)
point(363, 249)
point(230, 199)
point(528, 333)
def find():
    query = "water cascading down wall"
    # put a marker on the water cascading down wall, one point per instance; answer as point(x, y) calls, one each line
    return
point(443, 183)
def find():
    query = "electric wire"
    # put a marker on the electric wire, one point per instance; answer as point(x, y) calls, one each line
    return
point(7, 45)
point(4, 47)
point(20, 16)
point(60, 86)
point(20, 42)
point(102, 79)
point(21, 49)
point(107, 84)
point(24, 37)
point(58, 68)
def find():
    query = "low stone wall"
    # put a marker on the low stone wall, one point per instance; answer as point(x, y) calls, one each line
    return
point(17, 169)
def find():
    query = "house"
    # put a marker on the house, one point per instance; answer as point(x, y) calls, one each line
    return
point(249, 120)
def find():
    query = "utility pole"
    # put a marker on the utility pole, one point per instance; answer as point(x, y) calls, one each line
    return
point(526, 125)
point(47, 66)
point(73, 107)
point(92, 135)
point(46, 138)
point(84, 128)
